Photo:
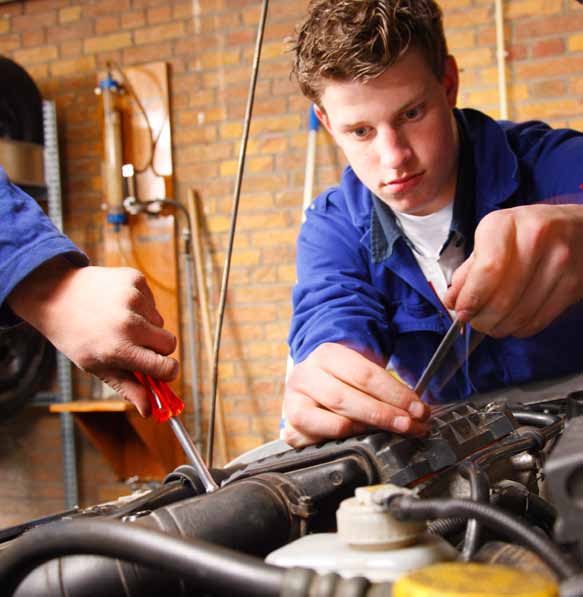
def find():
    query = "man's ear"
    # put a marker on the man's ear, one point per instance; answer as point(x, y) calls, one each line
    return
point(322, 117)
point(451, 80)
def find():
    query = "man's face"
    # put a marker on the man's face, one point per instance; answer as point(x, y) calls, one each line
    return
point(398, 132)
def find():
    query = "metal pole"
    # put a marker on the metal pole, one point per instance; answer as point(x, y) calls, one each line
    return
point(53, 184)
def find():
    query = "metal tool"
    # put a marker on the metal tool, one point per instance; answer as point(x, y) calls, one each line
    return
point(166, 406)
point(438, 356)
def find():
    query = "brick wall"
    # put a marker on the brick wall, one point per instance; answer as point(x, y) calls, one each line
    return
point(209, 45)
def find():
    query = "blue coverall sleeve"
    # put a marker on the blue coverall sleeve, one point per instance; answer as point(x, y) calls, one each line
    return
point(334, 299)
point(28, 238)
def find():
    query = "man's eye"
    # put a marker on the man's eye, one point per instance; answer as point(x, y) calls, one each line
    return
point(361, 131)
point(412, 114)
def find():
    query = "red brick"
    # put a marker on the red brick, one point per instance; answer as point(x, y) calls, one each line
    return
point(34, 38)
point(548, 47)
point(133, 19)
point(107, 24)
point(33, 22)
point(551, 25)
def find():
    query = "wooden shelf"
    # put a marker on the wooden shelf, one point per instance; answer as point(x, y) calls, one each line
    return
point(131, 444)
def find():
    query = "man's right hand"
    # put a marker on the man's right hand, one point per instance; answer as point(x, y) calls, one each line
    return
point(336, 392)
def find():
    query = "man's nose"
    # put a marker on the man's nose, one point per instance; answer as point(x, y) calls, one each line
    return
point(393, 148)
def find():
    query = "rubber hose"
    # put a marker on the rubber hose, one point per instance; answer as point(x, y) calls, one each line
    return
point(480, 492)
point(514, 497)
point(525, 417)
point(445, 527)
point(408, 508)
point(205, 565)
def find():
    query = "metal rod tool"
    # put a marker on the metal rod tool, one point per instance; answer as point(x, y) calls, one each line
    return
point(438, 356)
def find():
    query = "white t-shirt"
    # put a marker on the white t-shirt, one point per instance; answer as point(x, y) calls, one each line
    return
point(427, 236)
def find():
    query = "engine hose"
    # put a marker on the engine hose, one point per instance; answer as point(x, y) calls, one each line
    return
point(480, 492)
point(409, 508)
point(516, 498)
point(526, 417)
point(445, 527)
point(253, 517)
point(206, 566)
point(525, 438)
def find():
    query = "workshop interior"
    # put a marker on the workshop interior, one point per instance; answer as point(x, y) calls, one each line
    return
point(169, 137)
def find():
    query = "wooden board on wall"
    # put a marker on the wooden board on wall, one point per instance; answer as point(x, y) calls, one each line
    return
point(148, 242)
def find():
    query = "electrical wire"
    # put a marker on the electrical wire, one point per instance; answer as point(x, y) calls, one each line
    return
point(235, 209)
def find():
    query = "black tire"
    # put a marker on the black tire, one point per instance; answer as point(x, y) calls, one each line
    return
point(21, 113)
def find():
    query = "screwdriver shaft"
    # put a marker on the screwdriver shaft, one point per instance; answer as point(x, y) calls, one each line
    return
point(192, 454)
point(438, 357)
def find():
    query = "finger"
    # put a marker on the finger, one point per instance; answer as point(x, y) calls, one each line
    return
point(127, 386)
point(144, 303)
point(556, 301)
point(314, 423)
point(144, 360)
point(143, 333)
point(489, 264)
point(536, 291)
point(297, 439)
point(369, 381)
point(353, 405)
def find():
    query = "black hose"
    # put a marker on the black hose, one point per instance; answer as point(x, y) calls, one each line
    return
point(516, 498)
point(480, 492)
point(408, 508)
point(523, 439)
point(446, 527)
point(526, 417)
point(206, 566)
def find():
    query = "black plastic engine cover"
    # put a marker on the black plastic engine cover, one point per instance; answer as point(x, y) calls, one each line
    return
point(457, 431)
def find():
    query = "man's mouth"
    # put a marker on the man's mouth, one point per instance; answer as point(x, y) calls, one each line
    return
point(405, 183)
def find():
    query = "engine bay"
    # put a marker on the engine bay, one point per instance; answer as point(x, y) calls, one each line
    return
point(498, 482)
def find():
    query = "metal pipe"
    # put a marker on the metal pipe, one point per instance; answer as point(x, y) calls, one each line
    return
point(229, 251)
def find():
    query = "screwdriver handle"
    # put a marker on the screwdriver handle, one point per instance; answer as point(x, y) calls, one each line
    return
point(163, 401)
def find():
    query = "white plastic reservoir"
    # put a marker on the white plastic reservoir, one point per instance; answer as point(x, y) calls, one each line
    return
point(370, 543)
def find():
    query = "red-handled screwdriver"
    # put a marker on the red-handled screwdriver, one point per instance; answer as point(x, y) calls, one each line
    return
point(166, 406)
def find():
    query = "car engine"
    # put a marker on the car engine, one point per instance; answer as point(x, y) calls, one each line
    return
point(497, 485)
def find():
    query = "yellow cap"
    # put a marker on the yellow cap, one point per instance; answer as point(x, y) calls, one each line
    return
point(455, 579)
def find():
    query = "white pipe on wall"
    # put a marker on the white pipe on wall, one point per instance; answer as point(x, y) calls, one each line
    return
point(501, 60)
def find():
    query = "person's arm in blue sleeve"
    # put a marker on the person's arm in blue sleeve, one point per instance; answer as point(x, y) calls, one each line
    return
point(340, 340)
point(103, 319)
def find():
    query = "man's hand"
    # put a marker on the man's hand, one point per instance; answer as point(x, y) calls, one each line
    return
point(336, 392)
point(525, 270)
point(103, 319)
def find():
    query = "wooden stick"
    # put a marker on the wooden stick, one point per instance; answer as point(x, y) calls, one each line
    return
point(193, 200)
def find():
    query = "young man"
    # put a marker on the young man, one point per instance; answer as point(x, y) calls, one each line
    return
point(430, 190)
point(103, 319)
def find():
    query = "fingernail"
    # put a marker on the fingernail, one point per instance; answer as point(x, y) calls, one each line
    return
point(401, 423)
point(416, 409)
